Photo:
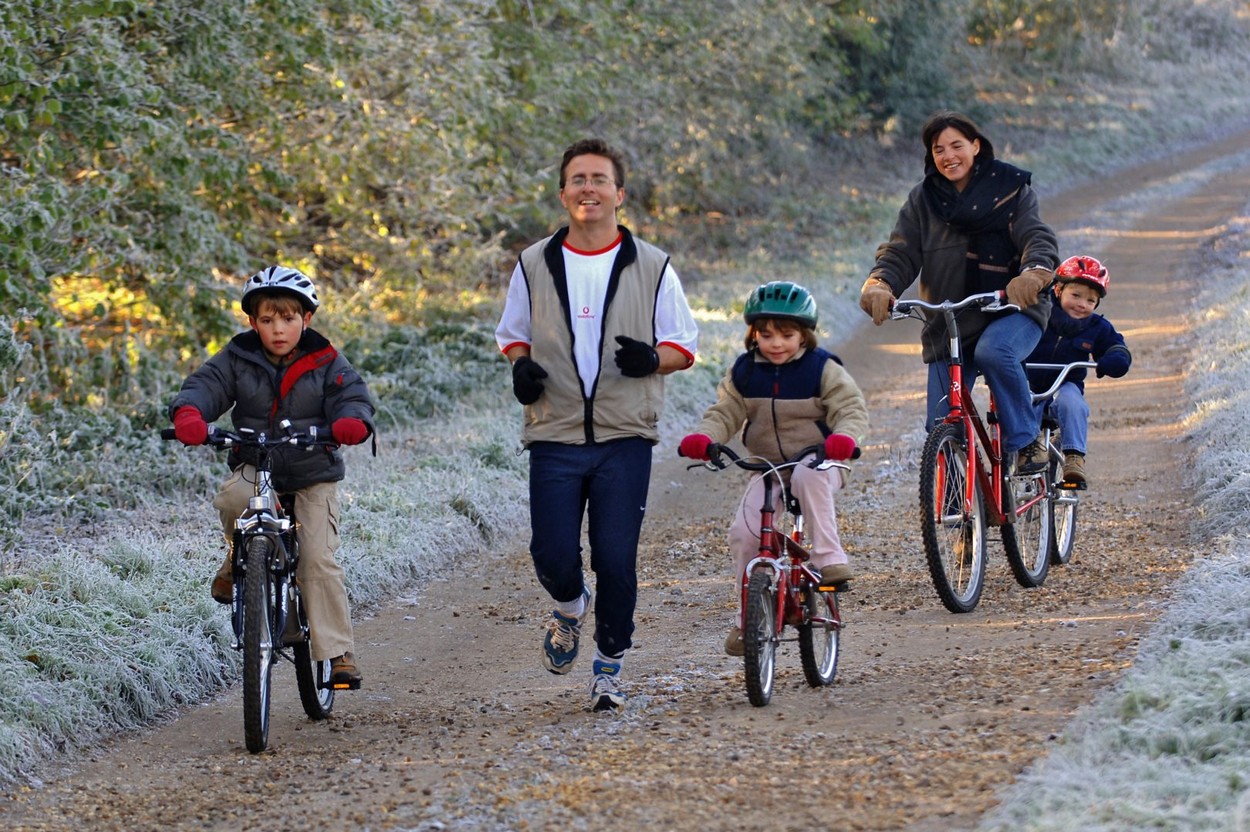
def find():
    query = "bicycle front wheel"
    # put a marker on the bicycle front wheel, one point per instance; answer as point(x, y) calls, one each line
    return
point(954, 534)
point(1028, 539)
point(258, 647)
point(759, 639)
point(819, 636)
point(312, 676)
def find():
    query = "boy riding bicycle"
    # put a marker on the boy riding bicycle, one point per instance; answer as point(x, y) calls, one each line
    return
point(282, 370)
point(785, 393)
point(1076, 333)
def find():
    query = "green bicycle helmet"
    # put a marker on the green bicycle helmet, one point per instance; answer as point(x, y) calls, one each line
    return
point(782, 300)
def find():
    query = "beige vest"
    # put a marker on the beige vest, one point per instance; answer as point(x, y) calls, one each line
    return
point(619, 407)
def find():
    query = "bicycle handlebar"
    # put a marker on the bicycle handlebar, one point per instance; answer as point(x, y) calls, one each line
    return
point(1064, 370)
point(246, 437)
point(987, 301)
point(717, 455)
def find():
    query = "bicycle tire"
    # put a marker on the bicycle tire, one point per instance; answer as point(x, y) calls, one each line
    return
point(954, 544)
point(759, 639)
point(311, 676)
point(258, 644)
point(1027, 541)
point(1063, 518)
point(820, 637)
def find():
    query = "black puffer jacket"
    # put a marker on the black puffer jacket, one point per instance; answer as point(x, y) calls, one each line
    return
point(317, 388)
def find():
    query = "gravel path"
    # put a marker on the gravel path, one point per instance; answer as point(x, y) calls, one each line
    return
point(460, 728)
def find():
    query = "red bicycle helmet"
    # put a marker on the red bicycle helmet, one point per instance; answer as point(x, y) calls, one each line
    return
point(1087, 270)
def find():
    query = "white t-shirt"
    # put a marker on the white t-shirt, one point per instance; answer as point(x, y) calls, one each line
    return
point(588, 274)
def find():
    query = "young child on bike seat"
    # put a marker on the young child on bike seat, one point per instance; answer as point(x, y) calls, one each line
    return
point(280, 369)
point(1077, 333)
point(783, 394)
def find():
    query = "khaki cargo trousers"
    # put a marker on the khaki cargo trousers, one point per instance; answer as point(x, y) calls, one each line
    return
point(319, 576)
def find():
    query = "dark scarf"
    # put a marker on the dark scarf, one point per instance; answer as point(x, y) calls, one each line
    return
point(984, 211)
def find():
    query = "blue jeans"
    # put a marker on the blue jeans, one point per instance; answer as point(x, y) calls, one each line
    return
point(1071, 411)
point(999, 353)
point(608, 482)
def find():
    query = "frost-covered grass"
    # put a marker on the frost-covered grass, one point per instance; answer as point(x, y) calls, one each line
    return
point(1169, 747)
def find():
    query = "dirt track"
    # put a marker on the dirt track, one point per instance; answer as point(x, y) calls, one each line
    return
point(460, 728)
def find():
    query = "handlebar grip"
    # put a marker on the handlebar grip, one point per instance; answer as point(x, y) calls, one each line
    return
point(168, 433)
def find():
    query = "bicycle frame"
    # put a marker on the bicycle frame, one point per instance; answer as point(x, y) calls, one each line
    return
point(267, 515)
point(984, 434)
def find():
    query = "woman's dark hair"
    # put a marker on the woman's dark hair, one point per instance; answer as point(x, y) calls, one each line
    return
point(596, 147)
point(947, 118)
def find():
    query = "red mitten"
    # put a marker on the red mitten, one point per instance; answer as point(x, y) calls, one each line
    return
point(349, 431)
point(694, 446)
point(189, 426)
point(839, 446)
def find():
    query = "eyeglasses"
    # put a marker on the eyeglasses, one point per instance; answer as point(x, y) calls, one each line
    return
point(598, 181)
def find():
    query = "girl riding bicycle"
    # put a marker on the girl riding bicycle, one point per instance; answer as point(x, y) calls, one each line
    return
point(783, 394)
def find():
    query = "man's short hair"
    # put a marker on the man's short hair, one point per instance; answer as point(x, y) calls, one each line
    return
point(595, 147)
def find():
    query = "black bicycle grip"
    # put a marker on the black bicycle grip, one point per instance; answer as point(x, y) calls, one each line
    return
point(168, 433)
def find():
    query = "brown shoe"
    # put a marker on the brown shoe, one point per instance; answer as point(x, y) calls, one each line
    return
point(343, 671)
point(733, 643)
point(1033, 457)
point(1074, 468)
point(223, 584)
point(836, 573)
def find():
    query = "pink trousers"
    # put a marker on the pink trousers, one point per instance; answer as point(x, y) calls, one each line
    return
point(814, 490)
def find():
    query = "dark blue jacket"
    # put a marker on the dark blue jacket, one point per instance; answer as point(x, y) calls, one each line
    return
point(1069, 339)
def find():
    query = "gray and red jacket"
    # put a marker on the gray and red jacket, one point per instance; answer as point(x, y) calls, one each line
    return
point(317, 388)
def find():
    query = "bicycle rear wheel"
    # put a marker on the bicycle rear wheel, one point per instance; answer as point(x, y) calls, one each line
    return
point(819, 636)
point(258, 644)
point(1028, 539)
point(312, 676)
point(954, 539)
point(1063, 515)
point(759, 639)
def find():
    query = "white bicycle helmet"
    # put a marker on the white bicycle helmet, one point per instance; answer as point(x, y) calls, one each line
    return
point(281, 279)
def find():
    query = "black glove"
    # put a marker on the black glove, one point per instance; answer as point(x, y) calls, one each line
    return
point(527, 380)
point(1114, 363)
point(636, 359)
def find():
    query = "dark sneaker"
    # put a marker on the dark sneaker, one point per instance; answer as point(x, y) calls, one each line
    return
point(1074, 468)
point(733, 643)
point(343, 671)
point(836, 573)
point(560, 643)
point(1034, 457)
point(605, 692)
point(222, 588)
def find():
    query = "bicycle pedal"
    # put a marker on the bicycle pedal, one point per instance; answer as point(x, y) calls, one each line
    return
point(840, 586)
point(352, 685)
point(1073, 486)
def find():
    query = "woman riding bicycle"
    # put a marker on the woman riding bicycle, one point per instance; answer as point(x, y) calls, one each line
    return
point(972, 225)
point(785, 394)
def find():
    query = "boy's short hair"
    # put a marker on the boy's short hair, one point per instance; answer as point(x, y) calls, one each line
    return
point(282, 303)
point(784, 325)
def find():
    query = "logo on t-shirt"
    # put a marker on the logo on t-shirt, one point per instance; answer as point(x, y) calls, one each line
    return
point(586, 313)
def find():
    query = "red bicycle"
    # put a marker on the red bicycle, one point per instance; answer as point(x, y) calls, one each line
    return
point(779, 587)
point(963, 482)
